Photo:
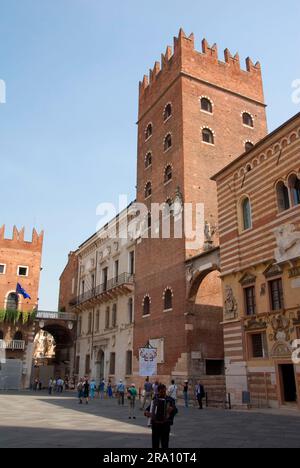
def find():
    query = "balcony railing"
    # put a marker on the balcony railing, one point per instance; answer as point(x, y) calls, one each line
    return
point(14, 345)
point(48, 315)
point(105, 288)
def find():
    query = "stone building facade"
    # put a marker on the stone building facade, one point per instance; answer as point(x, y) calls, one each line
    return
point(196, 114)
point(104, 303)
point(259, 226)
point(20, 262)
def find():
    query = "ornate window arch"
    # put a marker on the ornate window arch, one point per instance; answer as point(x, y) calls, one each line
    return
point(148, 159)
point(168, 142)
point(208, 135)
point(245, 214)
point(206, 104)
point(168, 173)
point(168, 298)
point(294, 187)
point(149, 131)
point(282, 194)
point(146, 305)
point(167, 111)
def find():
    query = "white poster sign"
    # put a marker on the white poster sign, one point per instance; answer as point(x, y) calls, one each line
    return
point(148, 362)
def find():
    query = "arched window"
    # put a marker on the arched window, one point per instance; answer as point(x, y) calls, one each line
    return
point(294, 184)
point(146, 306)
point(248, 146)
point(168, 299)
point(130, 310)
point(12, 302)
point(168, 142)
point(246, 214)
point(248, 120)
point(168, 174)
point(206, 105)
point(208, 136)
point(148, 160)
point(1, 335)
point(283, 200)
point(167, 112)
point(18, 336)
point(149, 131)
point(148, 190)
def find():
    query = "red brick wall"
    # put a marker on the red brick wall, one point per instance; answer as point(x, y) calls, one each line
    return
point(185, 76)
point(67, 278)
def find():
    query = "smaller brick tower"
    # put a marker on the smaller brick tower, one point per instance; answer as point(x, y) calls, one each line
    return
point(20, 262)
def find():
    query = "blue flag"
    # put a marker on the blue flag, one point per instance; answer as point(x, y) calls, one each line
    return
point(22, 291)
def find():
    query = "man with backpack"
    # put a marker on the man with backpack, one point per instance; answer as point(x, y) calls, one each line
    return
point(121, 392)
point(162, 412)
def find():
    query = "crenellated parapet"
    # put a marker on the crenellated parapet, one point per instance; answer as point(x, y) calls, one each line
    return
point(184, 59)
point(18, 241)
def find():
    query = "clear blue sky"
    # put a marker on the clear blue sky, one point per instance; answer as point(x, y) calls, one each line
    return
point(72, 67)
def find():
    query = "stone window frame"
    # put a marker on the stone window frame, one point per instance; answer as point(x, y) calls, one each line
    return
point(143, 305)
point(165, 108)
point(205, 127)
point(27, 271)
point(4, 269)
point(145, 159)
point(241, 218)
point(165, 138)
point(249, 345)
point(211, 102)
point(168, 288)
point(244, 112)
point(147, 138)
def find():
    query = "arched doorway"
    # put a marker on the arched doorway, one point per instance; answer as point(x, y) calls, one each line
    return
point(100, 366)
point(52, 357)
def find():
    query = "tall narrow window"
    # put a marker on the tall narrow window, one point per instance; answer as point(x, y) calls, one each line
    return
point(79, 327)
point(90, 323)
point(104, 278)
point(168, 142)
point(77, 365)
point(148, 190)
point(246, 214)
point(276, 294)
point(97, 325)
point(258, 345)
point(146, 306)
point(168, 300)
point(131, 263)
point(167, 112)
point(129, 363)
point(283, 200)
point(208, 136)
point(168, 174)
point(148, 160)
point(1, 335)
point(87, 364)
point(82, 287)
point(116, 269)
point(206, 105)
point(250, 300)
point(130, 310)
point(112, 364)
point(107, 318)
point(294, 184)
point(149, 131)
point(114, 316)
point(248, 120)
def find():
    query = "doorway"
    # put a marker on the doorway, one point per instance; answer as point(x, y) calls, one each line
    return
point(289, 389)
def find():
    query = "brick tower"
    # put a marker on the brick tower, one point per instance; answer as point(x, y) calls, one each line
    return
point(20, 262)
point(196, 114)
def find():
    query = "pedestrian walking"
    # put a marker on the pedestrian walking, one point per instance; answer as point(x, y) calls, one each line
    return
point(102, 389)
point(92, 389)
point(186, 393)
point(147, 393)
point(121, 392)
point(50, 386)
point(161, 412)
point(200, 394)
point(109, 389)
point(172, 390)
point(132, 394)
point(155, 388)
point(86, 390)
point(80, 391)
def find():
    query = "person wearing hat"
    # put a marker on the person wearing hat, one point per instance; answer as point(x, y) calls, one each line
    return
point(121, 392)
point(132, 394)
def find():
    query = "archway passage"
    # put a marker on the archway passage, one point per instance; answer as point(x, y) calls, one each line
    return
point(52, 357)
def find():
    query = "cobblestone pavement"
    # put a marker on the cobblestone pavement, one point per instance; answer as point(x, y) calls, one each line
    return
point(38, 420)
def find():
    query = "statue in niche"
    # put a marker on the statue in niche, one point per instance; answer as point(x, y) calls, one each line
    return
point(231, 306)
